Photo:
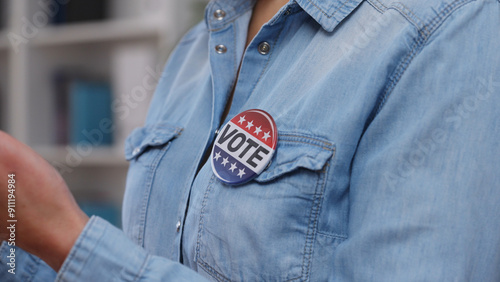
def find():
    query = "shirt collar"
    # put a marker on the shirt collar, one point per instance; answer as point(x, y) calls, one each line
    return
point(328, 13)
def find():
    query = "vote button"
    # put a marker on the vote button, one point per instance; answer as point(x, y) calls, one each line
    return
point(244, 147)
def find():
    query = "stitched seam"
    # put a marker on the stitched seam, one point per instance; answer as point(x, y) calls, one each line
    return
point(142, 216)
point(332, 235)
point(285, 163)
point(324, 13)
point(276, 172)
point(319, 206)
point(381, 4)
point(142, 269)
point(282, 15)
point(31, 268)
point(160, 129)
point(77, 248)
point(269, 58)
point(431, 27)
point(212, 272)
point(377, 5)
point(313, 222)
point(229, 20)
point(147, 193)
point(307, 143)
point(407, 14)
point(409, 11)
point(234, 56)
point(202, 215)
point(342, 6)
point(292, 138)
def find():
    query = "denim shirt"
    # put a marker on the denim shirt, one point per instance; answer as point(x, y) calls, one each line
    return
point(387, 164)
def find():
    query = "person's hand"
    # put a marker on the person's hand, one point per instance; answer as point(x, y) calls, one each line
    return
point(48, 219)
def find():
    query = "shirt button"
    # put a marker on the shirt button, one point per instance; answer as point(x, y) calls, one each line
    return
point(264, 48)
point(178, 226)
point(136, 151)
point(219, 14)
point(221, 49)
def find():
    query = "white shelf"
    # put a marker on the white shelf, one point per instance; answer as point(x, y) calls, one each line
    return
point(136, 34)
point(99, 156)
point(93, 32)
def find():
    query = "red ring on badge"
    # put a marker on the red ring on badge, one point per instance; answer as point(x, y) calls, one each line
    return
point(244, 147)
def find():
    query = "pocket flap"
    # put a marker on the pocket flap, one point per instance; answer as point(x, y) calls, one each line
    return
point(297, 151)
point(149, 135)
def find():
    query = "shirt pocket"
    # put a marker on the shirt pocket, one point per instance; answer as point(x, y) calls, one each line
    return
point(264, 229)
point(144, 148)
point(297, 151)
point(148, 138)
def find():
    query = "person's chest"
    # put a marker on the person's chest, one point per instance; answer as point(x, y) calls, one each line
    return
point(315, 85)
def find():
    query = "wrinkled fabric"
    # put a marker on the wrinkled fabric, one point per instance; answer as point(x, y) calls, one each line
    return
point(387, 161)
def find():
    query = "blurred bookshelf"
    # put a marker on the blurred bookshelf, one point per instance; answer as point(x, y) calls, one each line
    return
point(58, 61)
point(4, 42)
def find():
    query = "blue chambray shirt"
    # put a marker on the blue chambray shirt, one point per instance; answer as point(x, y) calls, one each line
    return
point(387, 163)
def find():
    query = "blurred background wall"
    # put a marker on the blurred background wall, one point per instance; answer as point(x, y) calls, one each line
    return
point(76, 76)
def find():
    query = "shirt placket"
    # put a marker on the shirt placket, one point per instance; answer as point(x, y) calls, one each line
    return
point(256, 60)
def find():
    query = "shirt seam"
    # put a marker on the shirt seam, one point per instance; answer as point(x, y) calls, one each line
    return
point(212, 272)
point(31, 268)
point(381, 8)
point(230, 20)
point(270, 55)
point(332, 235)
point(143, 268)
point(76, 250)
point(423, 37)
point(404, 11)
point(312, 228)
point(147, 192)
point(324, 13)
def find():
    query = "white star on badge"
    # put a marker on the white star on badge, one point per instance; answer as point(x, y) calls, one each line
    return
point(249, 125)
point(225, 161)
point(258, 130)
point(241, 173)
point(242, 119)
point(217, 156)
point(266, 135)
point(233, 167)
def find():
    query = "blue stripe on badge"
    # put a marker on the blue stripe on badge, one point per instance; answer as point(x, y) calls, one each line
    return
point(229, 169)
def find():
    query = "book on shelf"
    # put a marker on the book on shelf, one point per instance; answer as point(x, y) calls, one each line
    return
point(75, 11)
point(90, 113)
point(83, 110)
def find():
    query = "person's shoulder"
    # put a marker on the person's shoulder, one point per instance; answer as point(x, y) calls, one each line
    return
point(426, 13)
point(197, 31)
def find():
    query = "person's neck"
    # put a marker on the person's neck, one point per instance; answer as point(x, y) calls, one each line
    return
point(263, 11)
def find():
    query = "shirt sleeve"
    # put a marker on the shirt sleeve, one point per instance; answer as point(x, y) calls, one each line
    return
point(23, 267)
point(102, 252)
point(425, 193)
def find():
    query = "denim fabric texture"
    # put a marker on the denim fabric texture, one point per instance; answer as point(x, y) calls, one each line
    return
point(387, 165)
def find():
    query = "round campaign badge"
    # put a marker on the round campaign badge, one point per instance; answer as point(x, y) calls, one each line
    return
point(244, 147)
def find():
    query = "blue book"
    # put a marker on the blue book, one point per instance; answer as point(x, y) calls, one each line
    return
point(90, 113)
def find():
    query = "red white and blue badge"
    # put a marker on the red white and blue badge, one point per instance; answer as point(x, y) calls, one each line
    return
point(244, 147)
